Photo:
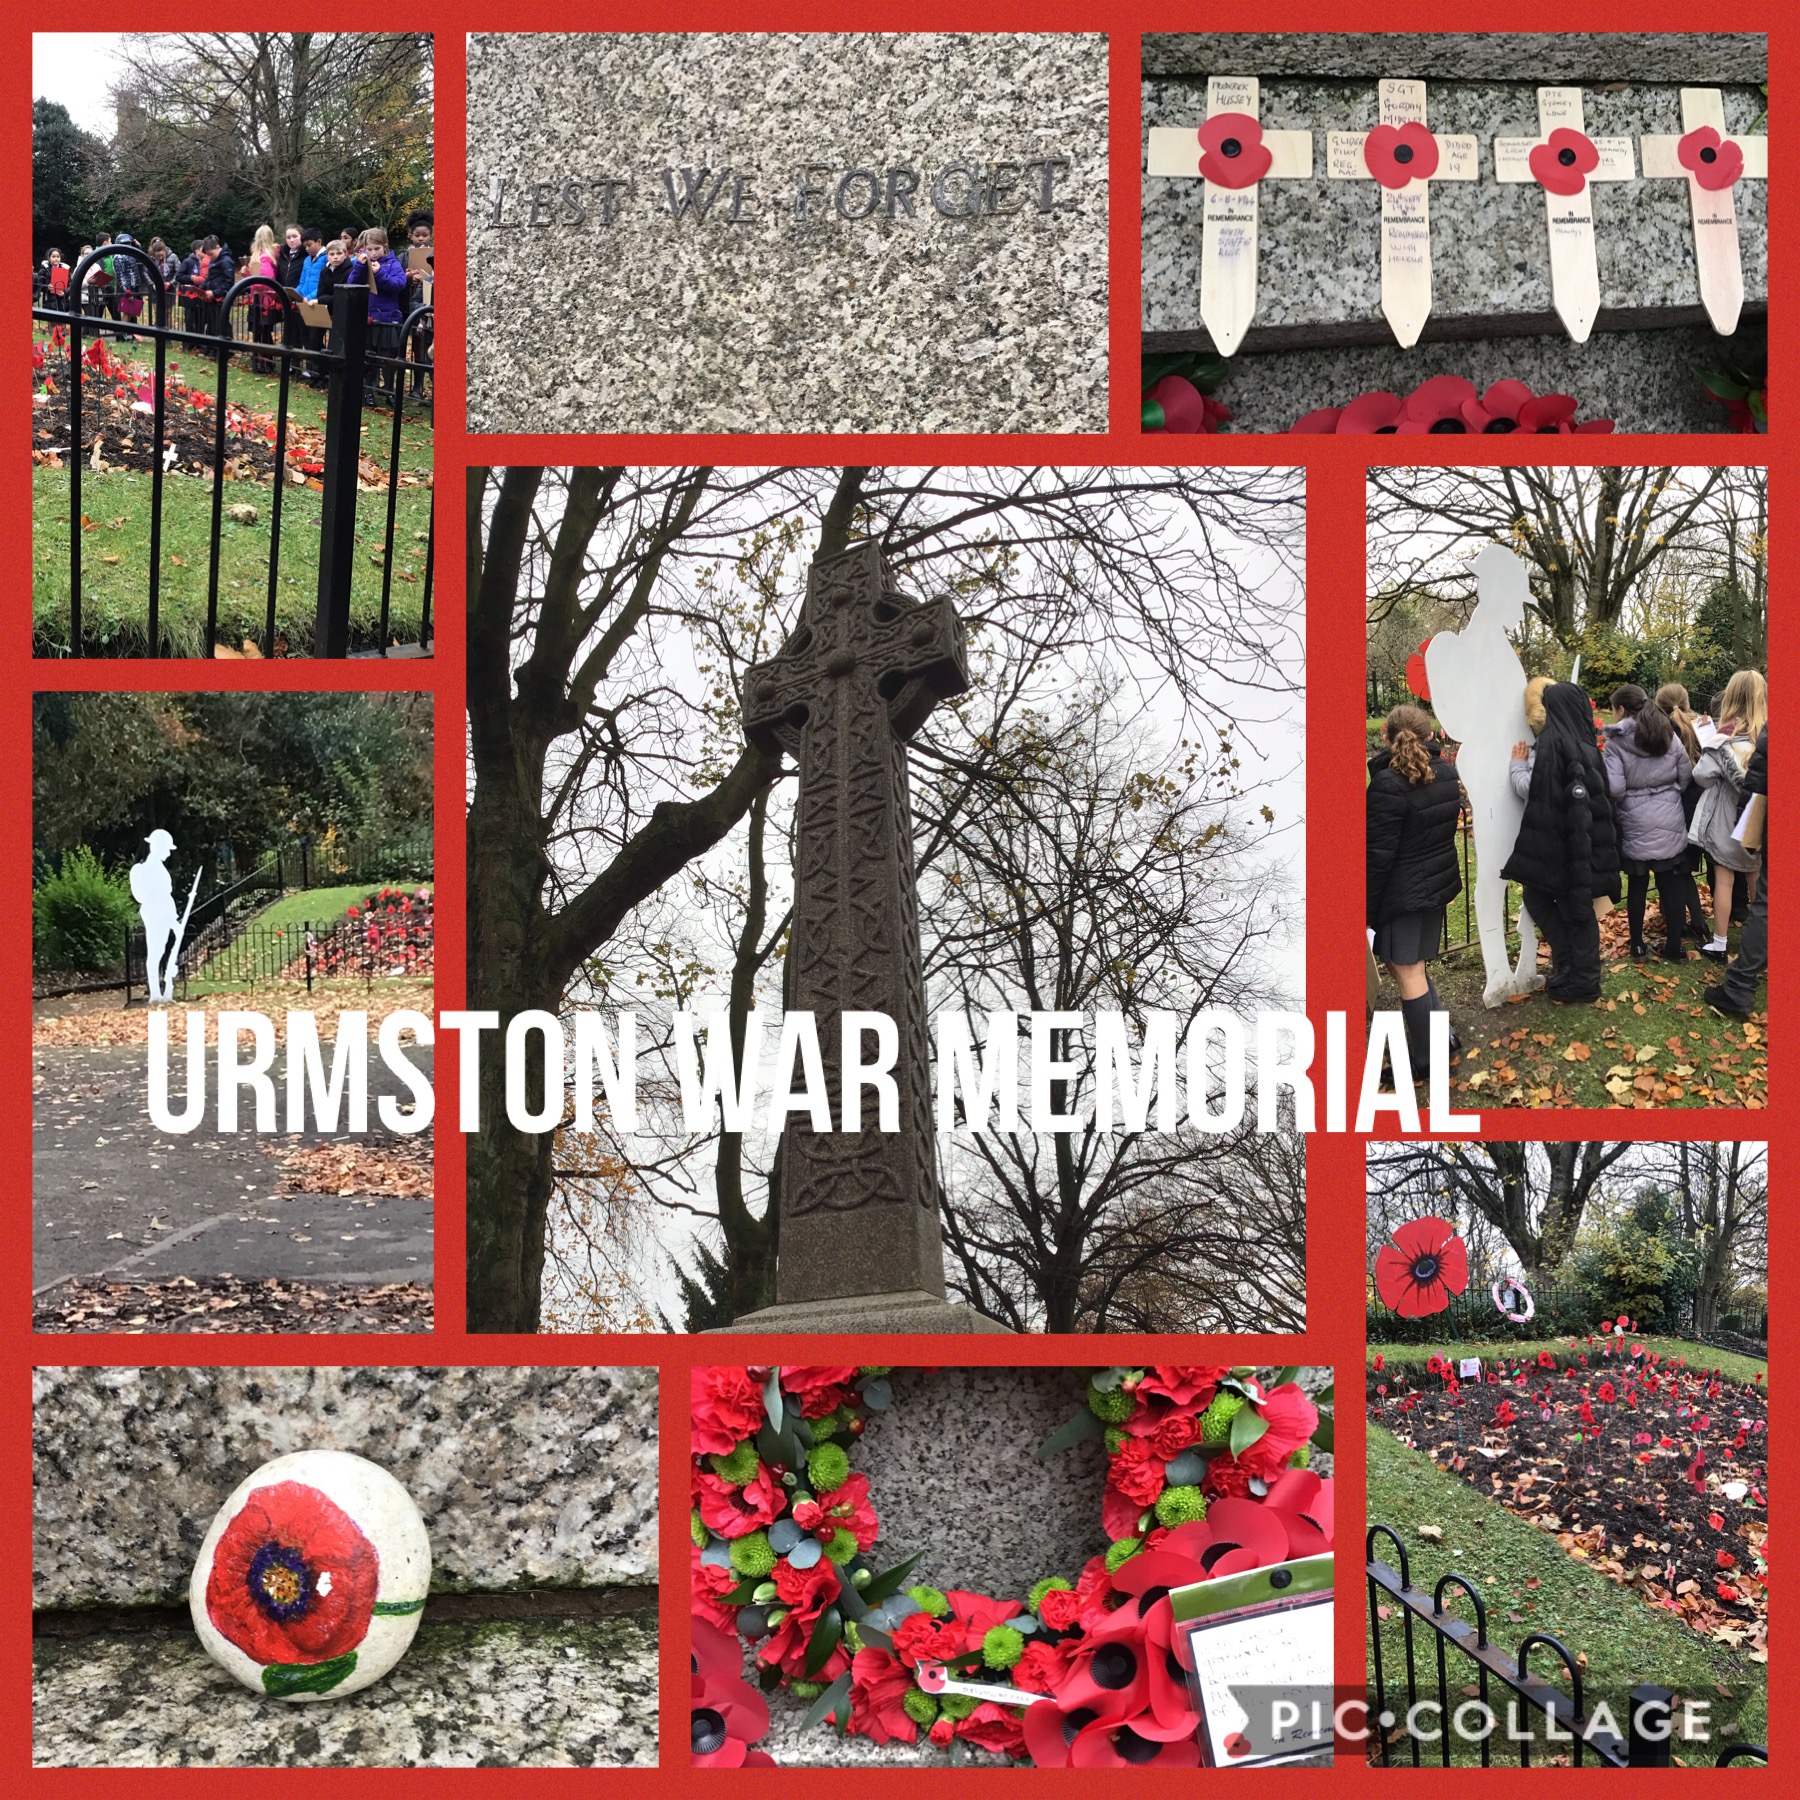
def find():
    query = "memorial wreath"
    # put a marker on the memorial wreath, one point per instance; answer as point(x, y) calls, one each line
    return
point(1207, 1475)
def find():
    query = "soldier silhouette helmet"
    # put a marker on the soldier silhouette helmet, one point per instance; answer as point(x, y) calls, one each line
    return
point(160, 843)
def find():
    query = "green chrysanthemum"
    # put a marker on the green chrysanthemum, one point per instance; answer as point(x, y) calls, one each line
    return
point(957, 1707)
point(697, 1531)
point(842, 1546)
point(739, 1468)
point(806, 1690)
point(752, 1555)
point(879, 1369)
point(1002, 1647)
point(827, 1467)
point(1121, 1553)
point(1180, 1506)
point(1114, 1408)
point(852, 1637)
point(824, 1428)
point(1215, 1422)
point(1036, 1597)
point(919, 1706)
point(931, 1601)
point(1302, 1458)
point(1115, 1439)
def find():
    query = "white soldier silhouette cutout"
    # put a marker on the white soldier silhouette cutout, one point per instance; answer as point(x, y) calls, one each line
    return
point(1477, 690)
point(154, 893)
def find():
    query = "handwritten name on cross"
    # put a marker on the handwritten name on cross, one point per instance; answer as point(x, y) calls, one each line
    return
point(1712, 163)
point(1405, 157)
point(1564, 161)
point(858, 676)
point(1231, 153)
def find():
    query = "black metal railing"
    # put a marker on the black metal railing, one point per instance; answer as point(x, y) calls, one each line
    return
point(300, 954)
point(350, 367)
point(1560, 1309)
point(1649, 1739)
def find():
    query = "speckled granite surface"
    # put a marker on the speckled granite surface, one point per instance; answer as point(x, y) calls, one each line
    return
point(532, 1694)
point(994, 322)
point(952, 1468)
point(526, 1477)
point(1643, 380)
point(1318, 241)
point(1564, 56)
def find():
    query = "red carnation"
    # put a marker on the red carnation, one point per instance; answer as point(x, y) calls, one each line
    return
point(1174, 1435)
point(1563, 165)
point(1059, 1609)
point(1426, 1263)
point(1189, 1388)
point(847, 1508)
point(921, 1638)
point(1713, 161)
point(878, 1687)
point(1226, 1479)
point(1232, 151)
point(708, 1585)
point(293, 1579)
point(733, 1511)
point(819, 1391)
point(728, 1408)
point(1044, 1666)
point(1396, 155)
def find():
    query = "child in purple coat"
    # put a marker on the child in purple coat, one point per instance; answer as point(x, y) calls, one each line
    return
point(376, 267)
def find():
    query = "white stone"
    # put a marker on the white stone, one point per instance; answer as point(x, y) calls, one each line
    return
point(315, 1546)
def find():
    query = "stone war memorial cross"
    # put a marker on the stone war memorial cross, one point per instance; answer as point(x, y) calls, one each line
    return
point(860, 1246)
point(1712, 163)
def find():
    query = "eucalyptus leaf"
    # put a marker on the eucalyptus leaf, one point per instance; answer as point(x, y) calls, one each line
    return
point(1106, 1381)
point(784, 1534)
point(877, 1395)
point(805, 1554)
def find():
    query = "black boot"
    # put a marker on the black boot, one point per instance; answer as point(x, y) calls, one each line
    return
point(1437, 1005)
point(1417, 1014)
point(1640, 951)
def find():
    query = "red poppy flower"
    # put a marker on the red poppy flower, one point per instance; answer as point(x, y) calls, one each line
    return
point(1713, 161)
point(1607, 1393)
point(1184, 408)
point(1563, 165)
point(728, 1714)
point(1399, 154)
point(1426, 1263)
point(293, 1579)
point(1232, 151)
point(1506, 1415)
point(1325, 420)
point(1418, 684)
point(878, 1688)
point(1375, 414)
point(733, 1511)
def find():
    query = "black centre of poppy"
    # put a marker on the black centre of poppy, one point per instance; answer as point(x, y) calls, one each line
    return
point(1148, 1598)
point(1709, 154)
point(1133, 1748)
point(1114, 1666)
point(281, 1583)
point(1425, 1268)
point(1566, 158)
point(1172, 1663)
point(1386, 430)
point(1231, 147)
point(1403, 153)
point(1449, 425)
point(1500, 427)
point(1077, 1722)
point(709, 1731)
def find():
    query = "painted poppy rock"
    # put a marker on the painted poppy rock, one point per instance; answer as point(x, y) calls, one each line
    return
point(312, 1576)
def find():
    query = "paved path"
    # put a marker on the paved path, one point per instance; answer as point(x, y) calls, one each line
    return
point(111, 1194)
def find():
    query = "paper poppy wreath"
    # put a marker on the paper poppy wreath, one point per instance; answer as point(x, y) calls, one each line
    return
point(288, 1590)
point(1206, 1476)
point(1512, 1299)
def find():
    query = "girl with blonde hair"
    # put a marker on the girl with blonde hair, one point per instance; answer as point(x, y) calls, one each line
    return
point(1743, 713)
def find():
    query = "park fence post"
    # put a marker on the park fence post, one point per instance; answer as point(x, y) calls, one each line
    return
point(1652, 1727)
point(343, 453)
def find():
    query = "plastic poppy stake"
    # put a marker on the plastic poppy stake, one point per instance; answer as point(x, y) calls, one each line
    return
point(1564, 161)
point(1231, 153)
point(1404, 156)
point(1712, 164)
point(935, 1680)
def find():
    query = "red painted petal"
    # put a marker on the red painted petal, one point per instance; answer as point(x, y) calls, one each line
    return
point(1441, 397)
point(1393, 1276)
point(1453, 1265)
point(1369, 413)
point(1324, 420)
point(1183, 405)
point(1504, 398)
point(1547, 411)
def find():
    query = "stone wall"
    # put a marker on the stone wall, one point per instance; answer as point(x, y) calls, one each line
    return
point(539, 1479)
point(1319, 337)
point(949, 272)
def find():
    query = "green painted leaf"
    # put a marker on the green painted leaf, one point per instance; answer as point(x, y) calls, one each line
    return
point(1717, 381)
point(395, 1609)
point(1083, 1425)
point(282, 1679)
point(1154, 417)
point(838, 1694)
point(1246, 1428)
point(825, 1638)
point(890, 1581)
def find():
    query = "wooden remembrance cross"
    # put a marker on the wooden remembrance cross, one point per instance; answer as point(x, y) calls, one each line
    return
point(1711, 163)
point(1404, 156)
point(1563, 160)
point(858, 676)
point(1231, 153)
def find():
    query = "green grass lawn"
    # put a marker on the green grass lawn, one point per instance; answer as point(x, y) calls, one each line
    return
point(1702, 1356)
point(1529, 1583)
point(116, 545)
point(255, 959)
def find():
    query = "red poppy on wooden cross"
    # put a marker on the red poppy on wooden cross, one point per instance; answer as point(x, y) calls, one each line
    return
point(1231, 153)
point(1404, 156)
point(1712, 164)
point(1564, 161)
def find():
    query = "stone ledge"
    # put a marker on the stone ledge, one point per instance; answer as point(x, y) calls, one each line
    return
point(526, 1477)
point(532, 1694)
point(1688, 58)
point(865, 1314)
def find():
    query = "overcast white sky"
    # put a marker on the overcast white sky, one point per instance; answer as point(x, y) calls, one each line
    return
point(77, 69)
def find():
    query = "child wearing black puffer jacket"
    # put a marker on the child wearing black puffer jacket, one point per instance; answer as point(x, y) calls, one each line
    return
point(1413, 806)
point(1566, 856)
